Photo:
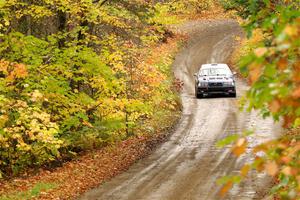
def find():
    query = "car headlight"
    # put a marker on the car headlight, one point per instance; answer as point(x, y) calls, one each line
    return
point(203, 84)
point(228, 83)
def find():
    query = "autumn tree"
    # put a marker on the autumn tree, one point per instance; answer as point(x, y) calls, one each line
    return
point(73, 76)
point(272, 68)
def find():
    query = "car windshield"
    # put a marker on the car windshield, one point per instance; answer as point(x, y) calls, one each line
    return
point(214, 72)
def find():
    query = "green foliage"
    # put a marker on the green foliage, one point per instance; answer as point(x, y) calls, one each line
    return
point(244, 8)
point(226, 179)
point(163, 13)
point(74, 75)
point(271, 64)
point(228, 140)
point(233, 138)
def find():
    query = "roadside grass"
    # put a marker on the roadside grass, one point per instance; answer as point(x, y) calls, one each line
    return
point(34, 192)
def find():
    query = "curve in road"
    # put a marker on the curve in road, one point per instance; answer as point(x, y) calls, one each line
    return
point(188, 165)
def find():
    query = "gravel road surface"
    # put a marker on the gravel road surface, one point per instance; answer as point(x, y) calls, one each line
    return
point(188, 165)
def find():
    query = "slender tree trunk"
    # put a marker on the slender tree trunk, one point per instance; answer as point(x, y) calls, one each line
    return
point(62, 26)
point(29, 25)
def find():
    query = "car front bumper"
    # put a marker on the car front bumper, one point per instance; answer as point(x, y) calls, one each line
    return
point(223, 89)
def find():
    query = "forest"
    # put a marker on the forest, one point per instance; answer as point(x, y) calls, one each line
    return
point(79, 75)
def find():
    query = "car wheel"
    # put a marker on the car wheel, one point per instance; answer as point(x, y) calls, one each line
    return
point(197, 94)
point(200, 95)
point(233, 94)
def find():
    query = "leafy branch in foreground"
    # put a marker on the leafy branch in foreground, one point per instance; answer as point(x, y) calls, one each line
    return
point(272, 68)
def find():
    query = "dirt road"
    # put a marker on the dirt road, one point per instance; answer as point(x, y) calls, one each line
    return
point(188, 165)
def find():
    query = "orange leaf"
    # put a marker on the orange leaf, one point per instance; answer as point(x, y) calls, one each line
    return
point(20, 71)
point(4, 66)
point(296, 66)
point(288, 121)
point(259, 166)
point(295, 149)
point(274, 106)
point(241, 142)
point(291, 30)
point(259, 148)
point(287, 171)
point(271, 168)
point(226, 188)
point(239, 150)
point(88, 124)
point(282, 145)
point(240, 147)
point(296, 77)
point(245, 169)
point(286, 159)
point(259, 52)
point(282, 63)
point(254, 72)
point(296, 93)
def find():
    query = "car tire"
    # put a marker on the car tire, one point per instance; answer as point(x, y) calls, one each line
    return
point(233, 94)
point(199, 96)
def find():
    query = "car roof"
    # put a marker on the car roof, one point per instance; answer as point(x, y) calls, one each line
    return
point(214, 65)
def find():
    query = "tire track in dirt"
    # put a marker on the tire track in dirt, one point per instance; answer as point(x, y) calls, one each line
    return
point(188, 165)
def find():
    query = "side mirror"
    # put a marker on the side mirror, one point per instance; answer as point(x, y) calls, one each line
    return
point(195, 74)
